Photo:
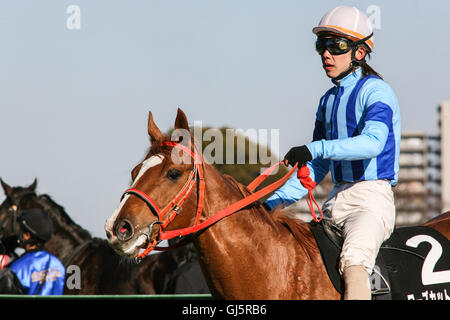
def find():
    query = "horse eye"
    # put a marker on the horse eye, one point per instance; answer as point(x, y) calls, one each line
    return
point(173, 174)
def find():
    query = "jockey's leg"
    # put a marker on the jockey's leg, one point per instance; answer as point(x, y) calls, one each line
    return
point(357, 286)
point(366, 213)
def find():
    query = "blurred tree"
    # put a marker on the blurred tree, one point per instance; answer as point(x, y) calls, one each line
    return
point(231, 152)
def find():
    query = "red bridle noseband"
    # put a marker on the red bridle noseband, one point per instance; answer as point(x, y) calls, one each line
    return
point(173, 208)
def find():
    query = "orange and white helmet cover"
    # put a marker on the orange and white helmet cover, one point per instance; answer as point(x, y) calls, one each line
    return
point(348, 22)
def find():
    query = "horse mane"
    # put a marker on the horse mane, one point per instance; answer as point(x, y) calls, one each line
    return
point(63, 220)
point(298, 228)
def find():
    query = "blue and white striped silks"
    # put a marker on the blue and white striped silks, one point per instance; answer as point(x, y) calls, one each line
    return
point(356, 136)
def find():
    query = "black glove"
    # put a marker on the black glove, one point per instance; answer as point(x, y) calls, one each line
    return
point(298, 154)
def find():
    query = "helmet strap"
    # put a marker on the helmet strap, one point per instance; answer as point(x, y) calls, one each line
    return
point(346, 72)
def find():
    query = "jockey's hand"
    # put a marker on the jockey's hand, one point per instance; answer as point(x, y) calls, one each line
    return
point(299, 154)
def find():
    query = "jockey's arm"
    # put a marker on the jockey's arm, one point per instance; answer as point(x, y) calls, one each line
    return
point(292, 190)
point(368, 144)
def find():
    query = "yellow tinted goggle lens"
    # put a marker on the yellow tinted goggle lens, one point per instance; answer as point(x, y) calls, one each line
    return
point(334, 46)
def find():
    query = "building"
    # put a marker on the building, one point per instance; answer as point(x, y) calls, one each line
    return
point(444, 132)
point(417, 195)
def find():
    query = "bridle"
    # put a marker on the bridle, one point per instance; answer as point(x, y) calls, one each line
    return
point(12, 213)
point(173, 208)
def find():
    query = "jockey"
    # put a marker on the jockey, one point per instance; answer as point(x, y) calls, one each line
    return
point(357, 137)
point(37, 272)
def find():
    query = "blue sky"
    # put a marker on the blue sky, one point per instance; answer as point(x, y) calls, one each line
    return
point(74, 103)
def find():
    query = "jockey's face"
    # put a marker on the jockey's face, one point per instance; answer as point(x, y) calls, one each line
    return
point(334, 65)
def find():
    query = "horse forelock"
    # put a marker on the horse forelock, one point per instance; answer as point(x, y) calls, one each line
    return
point(159, 147)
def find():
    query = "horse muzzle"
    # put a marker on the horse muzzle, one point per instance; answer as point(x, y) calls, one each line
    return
point(127, 239)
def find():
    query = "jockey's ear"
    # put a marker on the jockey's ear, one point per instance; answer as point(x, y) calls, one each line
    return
point(153, 131)
point(181, 121)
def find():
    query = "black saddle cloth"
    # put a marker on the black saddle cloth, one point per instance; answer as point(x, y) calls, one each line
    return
point(414, 263)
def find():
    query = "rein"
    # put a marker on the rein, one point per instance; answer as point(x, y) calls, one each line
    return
point(173, 208)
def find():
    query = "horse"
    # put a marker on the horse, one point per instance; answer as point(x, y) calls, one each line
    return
point(102, 270)
point(251, 254)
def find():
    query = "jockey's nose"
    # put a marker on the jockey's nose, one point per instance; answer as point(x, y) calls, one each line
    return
point(123, 230)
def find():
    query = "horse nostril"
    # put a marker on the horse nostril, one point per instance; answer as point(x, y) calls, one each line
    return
point(108, 235)
point(124, 230)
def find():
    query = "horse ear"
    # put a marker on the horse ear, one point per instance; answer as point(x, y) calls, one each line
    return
point(153, 131)
point(181, 121)
point(8, 190)
point(32, 186)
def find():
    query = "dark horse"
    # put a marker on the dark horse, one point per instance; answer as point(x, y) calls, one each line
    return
point(248, 255)
point(102, 270)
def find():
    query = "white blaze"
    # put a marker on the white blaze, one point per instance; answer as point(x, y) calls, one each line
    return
point(147, 164)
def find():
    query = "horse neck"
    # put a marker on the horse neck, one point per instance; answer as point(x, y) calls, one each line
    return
point(67, 234)
point(253, 244)
point(222, 191)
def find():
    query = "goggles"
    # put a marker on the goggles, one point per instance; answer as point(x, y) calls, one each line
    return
point(334, 45)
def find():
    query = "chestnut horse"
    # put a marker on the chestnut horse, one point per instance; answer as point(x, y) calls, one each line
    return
point(251, 254)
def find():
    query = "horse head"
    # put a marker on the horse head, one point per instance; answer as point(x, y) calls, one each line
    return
point(165, 178)
point(17, 198)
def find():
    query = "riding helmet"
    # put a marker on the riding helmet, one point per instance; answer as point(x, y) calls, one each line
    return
point(37, 222)
point(348, 22)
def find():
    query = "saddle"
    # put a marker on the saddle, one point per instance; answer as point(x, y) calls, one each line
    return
point(413, 264)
